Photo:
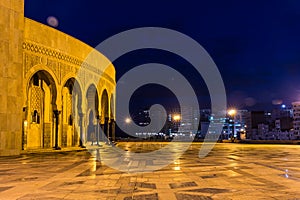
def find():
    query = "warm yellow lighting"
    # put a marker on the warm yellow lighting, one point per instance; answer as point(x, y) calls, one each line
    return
point(127, 120)
point(231, 112)
point(176, 117)
point(177, 162)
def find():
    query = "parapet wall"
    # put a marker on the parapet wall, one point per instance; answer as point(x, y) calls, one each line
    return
point(50, 44)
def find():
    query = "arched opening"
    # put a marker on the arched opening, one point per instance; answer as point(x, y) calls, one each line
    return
point(71, 109)
point(92, 114)
point(40, 120)
point(105, 114)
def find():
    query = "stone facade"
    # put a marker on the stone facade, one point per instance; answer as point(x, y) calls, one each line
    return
point(56, 91)
point(11, 39)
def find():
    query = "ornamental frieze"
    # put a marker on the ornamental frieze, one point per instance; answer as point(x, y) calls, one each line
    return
point(55, 59)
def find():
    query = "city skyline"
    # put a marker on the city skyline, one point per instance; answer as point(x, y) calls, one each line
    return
point(255, 45)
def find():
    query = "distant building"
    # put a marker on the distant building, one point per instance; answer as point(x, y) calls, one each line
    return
point(296, 119)
point(285, 123)
point(233, 126)
point(283, 111)
point(275, 125)
point(190, 121)
point(252, 120)
point(203, 129)
point(179, 122)
point(262, 131)
point(282, 118)
point(143, 118)
point(205, 115)
point(216, 126)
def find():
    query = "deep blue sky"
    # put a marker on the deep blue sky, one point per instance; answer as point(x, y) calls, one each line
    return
point(255, 44)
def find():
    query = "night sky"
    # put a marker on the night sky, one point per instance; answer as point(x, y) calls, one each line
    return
point(255, 44)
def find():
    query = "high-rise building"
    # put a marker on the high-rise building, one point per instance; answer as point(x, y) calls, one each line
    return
point(296, 119)
point(262, 131)
point(282, 118)
point(253, 119)
point(234, 125)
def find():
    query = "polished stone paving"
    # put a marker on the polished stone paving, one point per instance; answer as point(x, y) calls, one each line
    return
point(230, 171)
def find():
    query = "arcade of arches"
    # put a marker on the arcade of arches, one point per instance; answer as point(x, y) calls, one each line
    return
point(56, 91)
point(47, 126)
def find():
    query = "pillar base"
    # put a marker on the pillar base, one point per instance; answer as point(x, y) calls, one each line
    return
point(56, 148)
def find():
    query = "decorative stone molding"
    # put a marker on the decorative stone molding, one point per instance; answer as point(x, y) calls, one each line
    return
point(54, 57)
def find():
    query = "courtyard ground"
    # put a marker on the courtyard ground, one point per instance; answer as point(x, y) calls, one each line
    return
point(230, 171)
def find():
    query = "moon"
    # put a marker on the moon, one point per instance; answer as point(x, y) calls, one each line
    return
point(52, 21)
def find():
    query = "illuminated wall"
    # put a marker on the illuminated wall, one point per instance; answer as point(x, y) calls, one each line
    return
point(11, 39)
point(48, 84)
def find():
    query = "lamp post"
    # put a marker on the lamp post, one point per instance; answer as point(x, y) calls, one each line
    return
point(176, 119)
point(232, 113)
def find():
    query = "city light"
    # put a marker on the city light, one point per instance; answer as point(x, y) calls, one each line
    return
point(127, 120)
point(176, 117)
point(231, 112)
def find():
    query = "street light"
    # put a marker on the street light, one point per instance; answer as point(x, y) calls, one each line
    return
point(232, 113)
point(176, 117)
point(127, 120)
point(176, 122)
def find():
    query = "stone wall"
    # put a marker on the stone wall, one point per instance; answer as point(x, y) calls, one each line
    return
point(11, 40)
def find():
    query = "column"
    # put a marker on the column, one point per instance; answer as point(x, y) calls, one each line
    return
point(81, 130)
point(112, 126)
point(56, 118)
point(106, 127)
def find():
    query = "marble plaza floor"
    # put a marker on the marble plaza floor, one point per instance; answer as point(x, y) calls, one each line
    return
point(230, 171)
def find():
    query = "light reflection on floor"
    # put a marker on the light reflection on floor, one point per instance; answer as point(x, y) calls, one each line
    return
point(230, 171)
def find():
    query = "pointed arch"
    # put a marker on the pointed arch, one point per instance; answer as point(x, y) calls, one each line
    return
point(104, 104)
point(92, 112)
point(71, 96)
point(34, 70)
point(42, 98)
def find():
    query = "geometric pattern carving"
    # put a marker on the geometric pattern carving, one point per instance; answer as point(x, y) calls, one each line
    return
point(53, 65)
point(47, 135)
point(30, 60)
point(61, 58)
point(35, 99)
point(69, 107)
point(65, 69)
point(64, 137)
